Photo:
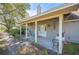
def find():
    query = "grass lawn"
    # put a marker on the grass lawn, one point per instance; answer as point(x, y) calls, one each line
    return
point(71, 49)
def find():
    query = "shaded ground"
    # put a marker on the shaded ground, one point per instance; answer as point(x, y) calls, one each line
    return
point(23, 48)
point(3, 51)
point(26, 48)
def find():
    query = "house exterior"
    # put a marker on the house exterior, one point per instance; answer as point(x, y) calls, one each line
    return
point(44, 28)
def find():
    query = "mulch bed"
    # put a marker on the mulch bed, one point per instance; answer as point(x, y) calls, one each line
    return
point(34, 49)
point(30, 50)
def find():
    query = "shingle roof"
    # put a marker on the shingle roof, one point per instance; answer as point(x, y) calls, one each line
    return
point(51, 10)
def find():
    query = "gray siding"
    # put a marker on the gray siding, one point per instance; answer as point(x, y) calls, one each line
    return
point(51, 34)
point(71, 30)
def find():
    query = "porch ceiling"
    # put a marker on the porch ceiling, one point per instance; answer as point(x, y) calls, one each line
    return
point(52, 13)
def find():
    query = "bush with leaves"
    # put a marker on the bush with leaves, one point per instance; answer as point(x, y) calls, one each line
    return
point(15, 32)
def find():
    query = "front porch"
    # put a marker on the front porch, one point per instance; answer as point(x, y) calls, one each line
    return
point(45, 36)
point(44, 28)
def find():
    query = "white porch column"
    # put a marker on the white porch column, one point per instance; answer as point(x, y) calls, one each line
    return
point(60, 33)
point(26, 32)
point(36, 32)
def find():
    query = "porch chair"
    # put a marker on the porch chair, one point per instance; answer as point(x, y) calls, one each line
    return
point(55, 43)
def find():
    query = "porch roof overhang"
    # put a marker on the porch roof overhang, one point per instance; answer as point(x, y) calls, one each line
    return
point(52, 13)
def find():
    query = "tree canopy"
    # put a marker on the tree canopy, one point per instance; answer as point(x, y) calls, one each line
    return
point(10, 13)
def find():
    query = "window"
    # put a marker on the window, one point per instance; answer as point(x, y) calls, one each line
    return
point(42, 30)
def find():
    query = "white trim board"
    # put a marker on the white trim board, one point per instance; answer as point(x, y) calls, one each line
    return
point(74, 20)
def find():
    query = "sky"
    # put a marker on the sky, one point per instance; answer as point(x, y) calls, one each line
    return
point(44, 6)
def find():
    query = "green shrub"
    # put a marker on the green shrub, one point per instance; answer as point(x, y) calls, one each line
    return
point(45, 52)
point(16, 32)
point(36, 44)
